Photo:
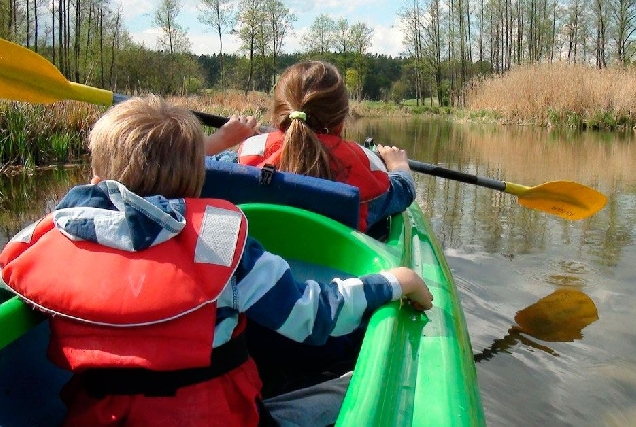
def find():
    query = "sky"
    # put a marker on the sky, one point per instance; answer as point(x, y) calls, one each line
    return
point(380, 15)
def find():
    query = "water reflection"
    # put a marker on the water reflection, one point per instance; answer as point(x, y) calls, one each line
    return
point(26, 197)
point(558, 317)
point(523, 155)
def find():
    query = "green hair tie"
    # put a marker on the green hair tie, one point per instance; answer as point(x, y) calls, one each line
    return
point(298, 115)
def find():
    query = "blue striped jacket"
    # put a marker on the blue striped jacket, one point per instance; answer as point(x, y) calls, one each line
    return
point(263, 286)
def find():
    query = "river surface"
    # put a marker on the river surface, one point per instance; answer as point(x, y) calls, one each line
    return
point(541, 358)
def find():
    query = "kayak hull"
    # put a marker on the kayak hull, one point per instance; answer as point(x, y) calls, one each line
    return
point(414, 369)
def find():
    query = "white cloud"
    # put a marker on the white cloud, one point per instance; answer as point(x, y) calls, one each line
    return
point(386, 41)
point(132, 9)
point(208, 44)
point(147, 37)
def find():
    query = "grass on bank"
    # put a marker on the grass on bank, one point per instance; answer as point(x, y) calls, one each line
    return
point(405, 107)
point(558, 94)
point(35, 135)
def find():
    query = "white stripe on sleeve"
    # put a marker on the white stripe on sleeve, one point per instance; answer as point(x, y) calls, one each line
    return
point(300, 322)
point(267, 270)
point(254, 146)
point(354, 306)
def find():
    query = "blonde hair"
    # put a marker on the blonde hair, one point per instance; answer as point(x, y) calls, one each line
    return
point(150, 146)
point(317, 89)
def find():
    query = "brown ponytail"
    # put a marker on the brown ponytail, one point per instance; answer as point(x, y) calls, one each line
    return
point(316, 89)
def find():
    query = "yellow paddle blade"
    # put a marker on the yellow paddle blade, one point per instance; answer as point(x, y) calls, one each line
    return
point(29, 77)
point(566, 199)
point(558, 317)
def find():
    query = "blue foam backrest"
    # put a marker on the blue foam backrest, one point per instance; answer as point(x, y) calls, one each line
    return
point(242, 184)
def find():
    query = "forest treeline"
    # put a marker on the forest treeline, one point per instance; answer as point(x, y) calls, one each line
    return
point(446, 44)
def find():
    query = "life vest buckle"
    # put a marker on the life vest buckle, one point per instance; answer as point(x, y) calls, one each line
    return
point(267, 173)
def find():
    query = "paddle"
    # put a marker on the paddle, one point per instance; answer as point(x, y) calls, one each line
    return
point(27, 76)
point(565, 199)
point(558, 317)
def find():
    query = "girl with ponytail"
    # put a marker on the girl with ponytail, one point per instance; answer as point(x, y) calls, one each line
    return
point(310, 107)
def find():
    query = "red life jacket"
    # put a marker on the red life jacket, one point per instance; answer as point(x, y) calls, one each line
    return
point(353, 164)
point(153, 309)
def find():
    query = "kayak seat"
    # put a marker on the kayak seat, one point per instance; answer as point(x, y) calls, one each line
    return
point(249, 184)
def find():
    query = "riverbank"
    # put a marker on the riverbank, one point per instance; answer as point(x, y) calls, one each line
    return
point(559, 94)
point(551, 95)
point(33, 135)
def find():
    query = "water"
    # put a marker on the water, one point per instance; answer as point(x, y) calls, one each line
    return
point(506, 258)
point(540, 358)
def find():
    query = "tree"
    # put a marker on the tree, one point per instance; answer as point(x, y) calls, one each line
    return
point(342, 36)
point(600, 10)
point(172, 42)
point(250, 21)
point(220, 15)
point(173, 38)
point(432, 46)
point(281, 25)
point(410, 18)
point(624, 12)
point(319, 39)
point(360, 41)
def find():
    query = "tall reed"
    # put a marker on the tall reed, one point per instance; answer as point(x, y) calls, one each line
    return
point(34, 135)
point(558, 94)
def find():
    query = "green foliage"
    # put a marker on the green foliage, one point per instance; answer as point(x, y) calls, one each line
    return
point(573, 120)
point(419, 110)
point(482, 115)
point(399, 91)
point(354, 82)
point(445, 90)
point(60, 145)
point(602, 120)
point(34, 135)
point(553, 116)
point(598, 120)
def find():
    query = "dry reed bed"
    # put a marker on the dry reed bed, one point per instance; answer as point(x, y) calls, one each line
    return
point(227, 103)
point(546, 93)
point(257, 104)
point(34, 135)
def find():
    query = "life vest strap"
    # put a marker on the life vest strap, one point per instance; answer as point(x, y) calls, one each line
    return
point(100, 382)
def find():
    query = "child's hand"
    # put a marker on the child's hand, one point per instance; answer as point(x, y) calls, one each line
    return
point(394, 158)
point(235, 131)
point(239, 128)
point(414, 288)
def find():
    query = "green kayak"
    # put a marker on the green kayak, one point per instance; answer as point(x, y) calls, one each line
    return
point(413, 369)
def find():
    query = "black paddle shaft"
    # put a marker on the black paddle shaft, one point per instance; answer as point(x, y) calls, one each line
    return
point(456, 175)
point(210, 119)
